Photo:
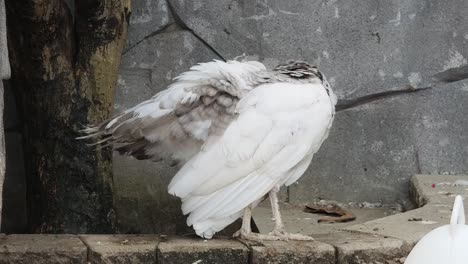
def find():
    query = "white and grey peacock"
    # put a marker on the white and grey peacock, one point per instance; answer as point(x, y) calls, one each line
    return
point(240, 132)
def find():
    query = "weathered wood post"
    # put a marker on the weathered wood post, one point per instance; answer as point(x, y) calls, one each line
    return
point(4, 74)
point(65, 57)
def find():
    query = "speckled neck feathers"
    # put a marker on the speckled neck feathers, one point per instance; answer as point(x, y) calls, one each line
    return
point(299, 70)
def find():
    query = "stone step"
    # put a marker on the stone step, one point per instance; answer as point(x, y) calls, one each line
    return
point(384, 240)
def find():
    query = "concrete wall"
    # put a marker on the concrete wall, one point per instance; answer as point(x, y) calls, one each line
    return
point(363, 47)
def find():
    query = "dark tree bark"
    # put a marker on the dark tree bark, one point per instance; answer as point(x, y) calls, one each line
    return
point(65, 61)
point(4, 74)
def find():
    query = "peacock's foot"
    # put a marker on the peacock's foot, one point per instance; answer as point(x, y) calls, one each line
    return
point(283, 235)
point(242, 234)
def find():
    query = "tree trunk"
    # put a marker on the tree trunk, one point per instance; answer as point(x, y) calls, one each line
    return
point(2, 150)
point(65, 61)
point(4, 74)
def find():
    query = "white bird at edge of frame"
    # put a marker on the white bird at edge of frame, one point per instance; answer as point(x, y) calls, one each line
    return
point(447, 244)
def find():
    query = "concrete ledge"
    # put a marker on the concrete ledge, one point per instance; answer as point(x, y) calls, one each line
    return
point(355, 248)
point(32, 249)
point(435, 193)
point(385, 240)
point(184, 250)
point(121, 248)
point(293, 252)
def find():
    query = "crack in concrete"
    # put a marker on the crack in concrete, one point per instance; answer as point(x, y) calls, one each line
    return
point(88, 248)
point(441, 78)
point(182, 24)
point(171, 27)
point(452, 75)
point(445, 77)
point(344, 104)
point(417, 161)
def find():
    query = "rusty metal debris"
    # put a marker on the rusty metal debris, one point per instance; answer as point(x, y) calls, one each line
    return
point(337, 213)
point(415, 219)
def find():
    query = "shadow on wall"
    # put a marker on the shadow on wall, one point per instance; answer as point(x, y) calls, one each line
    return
point(14, 216)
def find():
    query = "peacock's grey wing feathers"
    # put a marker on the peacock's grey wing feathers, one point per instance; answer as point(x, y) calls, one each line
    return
point(176, 122)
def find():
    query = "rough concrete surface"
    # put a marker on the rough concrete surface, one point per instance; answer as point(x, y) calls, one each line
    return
point(147, 19)
point(276, 252)
point(185, 250)
point(436, 190)
point(363, 48)
point(355, 248)
point(42, 249)
point(385, 240)
point(121, 249)
point(298, 221)
point(412, 225)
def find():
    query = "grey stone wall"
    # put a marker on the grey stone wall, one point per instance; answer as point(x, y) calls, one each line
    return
point(363, 47)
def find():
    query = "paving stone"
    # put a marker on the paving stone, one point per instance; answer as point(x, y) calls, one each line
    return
point(354, 248)
point(438, 190)
point(412, 225)
point(121, 248)
point(385, 240)
point(192, 250)
point(275, 252)
point(38, 249)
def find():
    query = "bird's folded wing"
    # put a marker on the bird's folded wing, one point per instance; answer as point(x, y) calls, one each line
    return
point(176, 122)
point(252, 144)
point(262, 148)
point(272, 134)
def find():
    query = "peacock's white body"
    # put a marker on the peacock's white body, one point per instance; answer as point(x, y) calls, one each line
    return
point(239, 130)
